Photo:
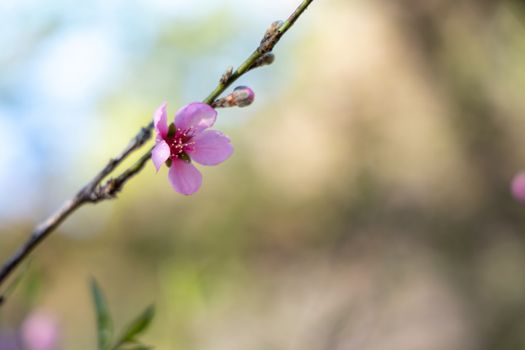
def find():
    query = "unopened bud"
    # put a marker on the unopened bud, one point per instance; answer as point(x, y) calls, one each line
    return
point(227, 75)
point(241, 96)
point(274, 27)
point(270, 37)
point(265, 60)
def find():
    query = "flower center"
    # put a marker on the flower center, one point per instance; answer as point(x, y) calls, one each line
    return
point(181, 143)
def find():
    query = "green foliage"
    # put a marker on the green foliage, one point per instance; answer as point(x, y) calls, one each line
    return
point(136, 327)
point(128, 338)
point(104, 322)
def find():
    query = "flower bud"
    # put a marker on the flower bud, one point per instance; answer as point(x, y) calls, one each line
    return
point(265, 60)
point(270, 37)
point(274, 27)
point(241, 96)
point(227, 75)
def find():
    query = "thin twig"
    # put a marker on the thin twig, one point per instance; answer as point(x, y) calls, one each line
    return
point(94, 192)
point(89, 191)
point(269, 41)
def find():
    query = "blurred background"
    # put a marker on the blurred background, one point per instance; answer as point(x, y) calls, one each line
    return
point(367, 204)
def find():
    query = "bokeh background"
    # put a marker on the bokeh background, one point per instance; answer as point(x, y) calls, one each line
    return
point(366, 206)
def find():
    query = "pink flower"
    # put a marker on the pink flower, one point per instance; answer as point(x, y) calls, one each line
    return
point(188, 139)
point(40, 332)
point(518, 187)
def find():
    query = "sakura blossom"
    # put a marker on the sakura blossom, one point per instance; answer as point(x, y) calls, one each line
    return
point(185, 140)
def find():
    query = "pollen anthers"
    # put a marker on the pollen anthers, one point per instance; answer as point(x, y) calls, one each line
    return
point(180, 141)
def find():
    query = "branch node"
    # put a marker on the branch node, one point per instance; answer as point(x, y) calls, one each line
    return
point(226, 76)
point(270, 38)
point(265, 60)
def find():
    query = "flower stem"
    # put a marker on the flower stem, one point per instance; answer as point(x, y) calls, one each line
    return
point(258, 53)
point(94, 191)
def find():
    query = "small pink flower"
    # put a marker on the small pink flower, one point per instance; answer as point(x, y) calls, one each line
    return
point(518, 186)
point(40, 332)
point(188, 139)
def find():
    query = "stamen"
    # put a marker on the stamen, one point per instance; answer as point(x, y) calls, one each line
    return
point(182, 142)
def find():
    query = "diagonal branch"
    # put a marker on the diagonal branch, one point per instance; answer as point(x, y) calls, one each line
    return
point(94, 191)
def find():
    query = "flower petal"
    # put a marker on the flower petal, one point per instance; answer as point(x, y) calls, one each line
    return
point(197, 116)
point(160, 154)
point(211, 148)
point(184, 177)
point(160, 120)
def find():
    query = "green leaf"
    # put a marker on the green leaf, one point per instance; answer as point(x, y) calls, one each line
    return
point(136, 327)
point(104, 323)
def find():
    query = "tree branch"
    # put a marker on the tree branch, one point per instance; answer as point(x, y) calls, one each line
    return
point(94, 191)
